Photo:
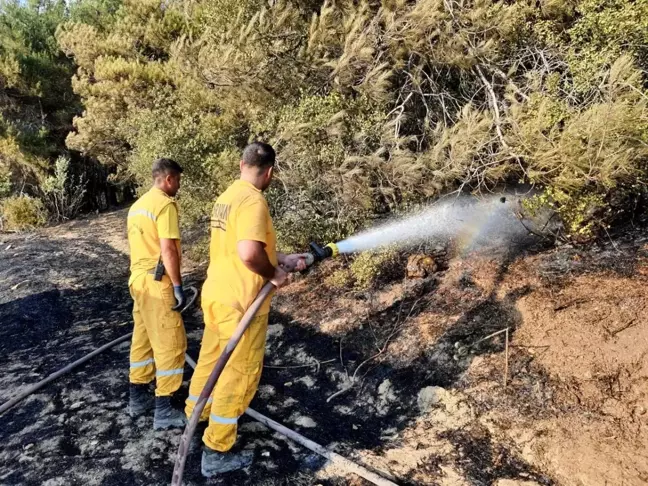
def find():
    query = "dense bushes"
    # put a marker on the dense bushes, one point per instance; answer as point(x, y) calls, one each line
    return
point(373, 105)
point(20, 213)
point(37, 103)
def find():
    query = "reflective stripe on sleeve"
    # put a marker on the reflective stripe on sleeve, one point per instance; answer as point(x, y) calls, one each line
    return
point(142, 212)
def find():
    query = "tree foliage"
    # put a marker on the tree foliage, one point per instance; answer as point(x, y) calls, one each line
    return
point(36, 98)
point(37, 101)
point(372, 105)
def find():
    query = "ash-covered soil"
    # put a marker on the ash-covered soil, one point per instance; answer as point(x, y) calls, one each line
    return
point(403, 379)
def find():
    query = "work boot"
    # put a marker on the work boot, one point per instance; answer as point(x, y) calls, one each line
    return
point(166, 416)
point(141, 400)
point(214, 462)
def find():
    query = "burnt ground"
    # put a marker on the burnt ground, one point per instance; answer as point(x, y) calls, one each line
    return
point(380, 377)
point(63, 294)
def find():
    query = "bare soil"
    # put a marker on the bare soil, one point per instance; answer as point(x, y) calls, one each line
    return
point(403, 379)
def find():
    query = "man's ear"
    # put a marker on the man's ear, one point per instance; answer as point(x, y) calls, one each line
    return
point(270, 172)
point(241, 164)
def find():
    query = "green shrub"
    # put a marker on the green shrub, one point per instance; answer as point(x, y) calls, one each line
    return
point(5, 183)
point(63, 193)
point(605, 30)
point(369, 269)
point(340, 279)
point(21, 213)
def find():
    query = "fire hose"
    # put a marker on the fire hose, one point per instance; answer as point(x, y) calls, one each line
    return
point(37, 386)
point(336, 459)
point(317, 254)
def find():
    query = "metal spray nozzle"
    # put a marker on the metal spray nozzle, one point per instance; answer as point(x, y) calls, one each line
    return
point(318, 253)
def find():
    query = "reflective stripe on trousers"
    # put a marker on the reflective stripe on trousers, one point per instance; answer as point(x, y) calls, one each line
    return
point(239, 380)
point(177, 371)
point(159, 340)
point(139, 364)
point(195, 398)
point(223, 420)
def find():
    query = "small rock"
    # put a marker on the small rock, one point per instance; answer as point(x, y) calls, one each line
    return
point(641, 410)
point(429, 396)
point(275, 330)
point(420, 266)
point(289, 402)
point(288, 383)
point(266, 391)
point(265, 453)
point(307, 381)
point(8, 247)
point(342, 409)
point(306, 422)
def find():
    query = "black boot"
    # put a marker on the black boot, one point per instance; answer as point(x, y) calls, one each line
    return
point(166, 416)
point(141, 400)
point(214, 462)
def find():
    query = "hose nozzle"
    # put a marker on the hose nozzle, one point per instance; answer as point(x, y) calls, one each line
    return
point(319, 253)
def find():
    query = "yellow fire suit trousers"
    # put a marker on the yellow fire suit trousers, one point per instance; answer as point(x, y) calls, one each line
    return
point(239, 381)
point(159, 340)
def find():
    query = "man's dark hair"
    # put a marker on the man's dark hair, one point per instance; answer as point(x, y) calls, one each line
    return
point(164, 167)
point(259, 155)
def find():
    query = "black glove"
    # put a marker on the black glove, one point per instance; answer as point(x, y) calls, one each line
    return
point(179, 294)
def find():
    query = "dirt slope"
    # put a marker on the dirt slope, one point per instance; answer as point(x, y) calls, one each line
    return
point(390, 378)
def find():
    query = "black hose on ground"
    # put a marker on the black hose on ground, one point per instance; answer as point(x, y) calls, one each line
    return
point(338, 460)
point(21, 396)
point(190, 428)
point(37, 386)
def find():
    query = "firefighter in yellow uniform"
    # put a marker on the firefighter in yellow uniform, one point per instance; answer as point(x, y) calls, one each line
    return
point(159, 340)
point(243, 256)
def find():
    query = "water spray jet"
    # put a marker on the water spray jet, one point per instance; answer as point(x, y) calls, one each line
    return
point(466, 219)
point(449, 218)
point(472, 222)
